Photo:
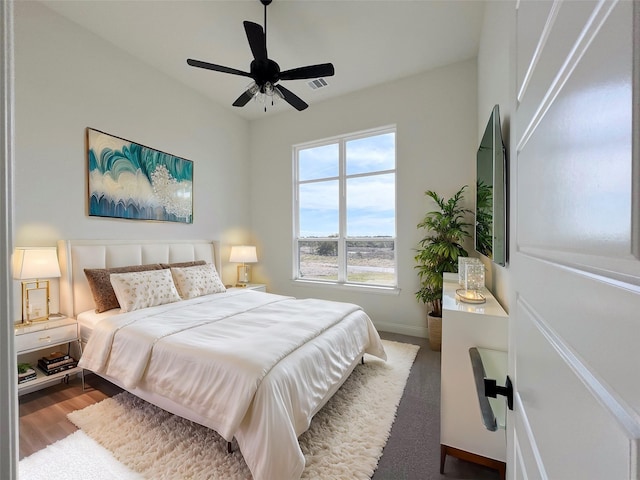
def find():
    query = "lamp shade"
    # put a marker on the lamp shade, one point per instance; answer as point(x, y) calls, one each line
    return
point(29, 263)
point(243, 254)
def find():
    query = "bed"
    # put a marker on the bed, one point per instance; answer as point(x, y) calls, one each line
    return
point(252, 366)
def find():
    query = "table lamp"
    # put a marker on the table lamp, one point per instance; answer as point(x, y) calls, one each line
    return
point(31, 265)
point(243, 254)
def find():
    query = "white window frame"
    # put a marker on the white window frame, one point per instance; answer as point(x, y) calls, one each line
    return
point(342, 240)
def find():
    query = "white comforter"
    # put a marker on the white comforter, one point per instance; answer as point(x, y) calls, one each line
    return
point(251, 365)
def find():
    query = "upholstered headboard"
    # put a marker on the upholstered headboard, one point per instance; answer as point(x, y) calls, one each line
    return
point(76, 255)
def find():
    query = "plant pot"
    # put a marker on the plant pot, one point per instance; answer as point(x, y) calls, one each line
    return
point(435, 332)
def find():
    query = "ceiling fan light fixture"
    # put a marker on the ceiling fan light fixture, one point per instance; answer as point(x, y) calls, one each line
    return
point(270, 90)
point(253, 89)
point(267, 93)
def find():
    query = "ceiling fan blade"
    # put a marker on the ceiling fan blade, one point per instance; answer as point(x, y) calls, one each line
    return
point(311, 71)
point(257, 40)
point(243, 99)
point(291, 98)
point(217, 68)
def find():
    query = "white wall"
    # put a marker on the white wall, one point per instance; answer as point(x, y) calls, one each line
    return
point(496, 85)
point(435, 114)
point(68, 79)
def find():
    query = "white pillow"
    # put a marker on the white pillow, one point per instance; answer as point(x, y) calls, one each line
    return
point(198, 280)
point(136, 290)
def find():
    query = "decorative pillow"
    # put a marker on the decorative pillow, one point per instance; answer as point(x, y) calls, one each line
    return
point(100, 284)
point(136, 290)
point(198, 280)
point(183, 264)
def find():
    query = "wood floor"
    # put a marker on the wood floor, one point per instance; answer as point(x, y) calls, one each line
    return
point(43, 414)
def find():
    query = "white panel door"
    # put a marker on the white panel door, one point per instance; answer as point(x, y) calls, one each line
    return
point(575, 312)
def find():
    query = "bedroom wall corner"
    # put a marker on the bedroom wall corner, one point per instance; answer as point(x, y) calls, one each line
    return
point(496, 85)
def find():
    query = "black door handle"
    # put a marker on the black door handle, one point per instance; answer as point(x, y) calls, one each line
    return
point(491, 389)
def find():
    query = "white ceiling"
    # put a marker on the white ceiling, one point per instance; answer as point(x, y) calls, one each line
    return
point(369, 42)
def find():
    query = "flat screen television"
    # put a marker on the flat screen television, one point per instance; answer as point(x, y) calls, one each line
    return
point(491, 193)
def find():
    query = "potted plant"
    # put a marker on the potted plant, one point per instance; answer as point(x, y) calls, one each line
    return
point(438, 252)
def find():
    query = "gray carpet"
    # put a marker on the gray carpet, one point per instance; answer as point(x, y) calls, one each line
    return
point(413, 449)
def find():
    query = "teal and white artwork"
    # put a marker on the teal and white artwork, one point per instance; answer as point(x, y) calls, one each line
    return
point(128, 180)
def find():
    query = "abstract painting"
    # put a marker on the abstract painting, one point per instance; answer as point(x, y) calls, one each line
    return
point(129, 180)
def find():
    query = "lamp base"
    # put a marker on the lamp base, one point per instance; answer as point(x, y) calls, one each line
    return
point(470, 296)
point(244, 274)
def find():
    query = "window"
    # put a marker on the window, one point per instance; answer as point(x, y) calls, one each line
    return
point(345, 209)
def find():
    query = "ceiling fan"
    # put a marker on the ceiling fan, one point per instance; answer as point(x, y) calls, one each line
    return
point(265, 72)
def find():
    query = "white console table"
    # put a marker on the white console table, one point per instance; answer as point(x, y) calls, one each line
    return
point(464, 326)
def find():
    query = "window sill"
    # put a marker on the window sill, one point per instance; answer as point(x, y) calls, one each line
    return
point(379, 290)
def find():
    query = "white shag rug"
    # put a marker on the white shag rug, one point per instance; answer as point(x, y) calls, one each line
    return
point(76, 457)
point(345, 440)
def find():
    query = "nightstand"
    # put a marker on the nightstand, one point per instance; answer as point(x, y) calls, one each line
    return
point(35, 340)
point(260, 287)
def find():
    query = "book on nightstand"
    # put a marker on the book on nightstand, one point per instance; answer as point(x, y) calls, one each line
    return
point(25, 373)
point(57, 362)
point(54, 357)
point(54, 365)
point(59, 368)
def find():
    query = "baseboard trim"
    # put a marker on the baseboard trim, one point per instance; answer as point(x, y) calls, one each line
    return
point(414, 331)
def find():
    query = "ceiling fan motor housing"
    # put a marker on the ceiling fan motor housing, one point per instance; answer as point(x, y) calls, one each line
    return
point(264, 71)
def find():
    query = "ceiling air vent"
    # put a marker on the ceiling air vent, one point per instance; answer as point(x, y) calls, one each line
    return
point(317, 83)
